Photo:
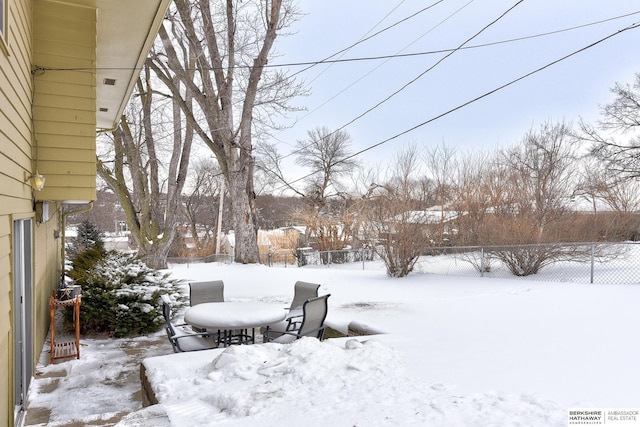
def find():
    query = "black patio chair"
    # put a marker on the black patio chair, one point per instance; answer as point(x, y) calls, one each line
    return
point(302, 291)
point(210, 291)
point(314, 313)
point(182, 337)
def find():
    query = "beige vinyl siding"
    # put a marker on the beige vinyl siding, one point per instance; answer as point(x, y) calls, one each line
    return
point(15, 161)
point(47, 259)
point(48, 122)
point(15, 116)
point(64, 104)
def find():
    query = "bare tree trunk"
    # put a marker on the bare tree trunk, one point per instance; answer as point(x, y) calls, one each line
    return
point(136, 175)
point(228, 88)
point(243, 214)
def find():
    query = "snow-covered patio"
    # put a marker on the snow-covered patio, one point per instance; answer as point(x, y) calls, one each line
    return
point(458, 351)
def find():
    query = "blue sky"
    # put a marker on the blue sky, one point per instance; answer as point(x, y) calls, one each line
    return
point(569, 90)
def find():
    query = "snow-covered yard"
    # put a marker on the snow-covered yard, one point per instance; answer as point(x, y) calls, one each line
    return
point(458, 351)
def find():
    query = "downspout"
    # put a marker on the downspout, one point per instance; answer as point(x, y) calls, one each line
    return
point(64, 234)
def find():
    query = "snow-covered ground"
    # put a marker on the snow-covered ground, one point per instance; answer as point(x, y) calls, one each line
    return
point(458, 351)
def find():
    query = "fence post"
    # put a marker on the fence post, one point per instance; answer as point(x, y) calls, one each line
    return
point(593, 250)
point(362, 256)
point(481, 262)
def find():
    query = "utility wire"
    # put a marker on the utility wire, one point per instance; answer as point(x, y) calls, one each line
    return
point(415, 79)
point(342, 52)
point(400, 55)
point(433, 52)
point(365, 38)
point(366, 58)
point(380, 65)
point(345, 50)
point(478, 98)
point(440, 61)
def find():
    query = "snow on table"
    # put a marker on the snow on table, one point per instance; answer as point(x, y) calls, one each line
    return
point(234, 315)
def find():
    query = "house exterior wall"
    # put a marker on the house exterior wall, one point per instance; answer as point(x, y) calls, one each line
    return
point(49, 50)
point(64, 105)
point(15, 163)
point(56, 136)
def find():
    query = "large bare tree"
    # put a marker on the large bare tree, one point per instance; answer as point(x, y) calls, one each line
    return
point(328, 212)
point(135, 168)
point(616, 138)
point(204, 187)
point(216, 52)
point(473, 197)
point(539, 177)
point(440, 161)
point(327, 155)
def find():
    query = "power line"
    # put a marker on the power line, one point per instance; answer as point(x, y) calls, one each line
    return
point(368, 58)
point(380, 65)
point(433, 52)
point(462, 48)
point(418, 77)
point(365, 38)
point(478, 98)
point(342, 52)
point(440, 61)
point(362, 39)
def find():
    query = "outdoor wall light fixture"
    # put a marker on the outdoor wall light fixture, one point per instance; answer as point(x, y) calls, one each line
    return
point(37, 181)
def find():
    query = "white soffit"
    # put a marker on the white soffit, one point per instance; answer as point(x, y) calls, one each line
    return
point(126, 31)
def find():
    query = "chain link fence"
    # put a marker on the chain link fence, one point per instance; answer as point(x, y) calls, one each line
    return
point(599, 263)
point(222, 258)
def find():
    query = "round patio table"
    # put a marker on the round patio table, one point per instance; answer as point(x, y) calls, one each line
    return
point(233, 316)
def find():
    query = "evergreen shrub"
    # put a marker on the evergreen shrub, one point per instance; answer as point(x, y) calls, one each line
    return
point(88, 237)
point(120, 294)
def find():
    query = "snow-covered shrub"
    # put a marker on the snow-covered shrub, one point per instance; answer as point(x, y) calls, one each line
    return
point(120, 294)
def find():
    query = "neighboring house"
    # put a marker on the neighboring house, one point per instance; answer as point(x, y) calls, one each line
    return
point(280, 244)
point(67, 69)
point(435, 222)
